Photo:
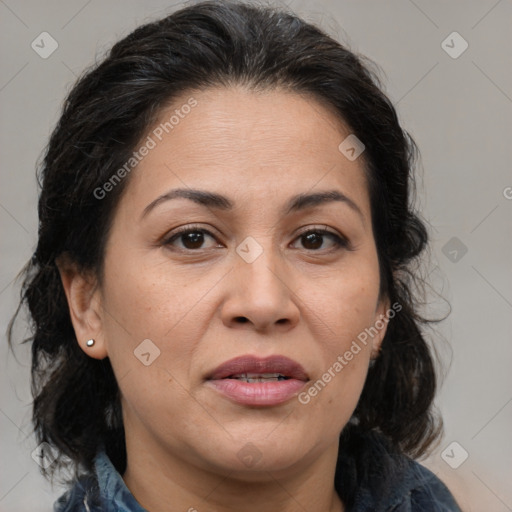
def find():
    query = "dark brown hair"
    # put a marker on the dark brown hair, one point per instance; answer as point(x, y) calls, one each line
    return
point(76, 407)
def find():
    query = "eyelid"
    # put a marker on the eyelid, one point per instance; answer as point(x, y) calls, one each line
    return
point(317, 227)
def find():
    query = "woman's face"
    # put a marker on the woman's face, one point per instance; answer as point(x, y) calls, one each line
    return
point(255, 278)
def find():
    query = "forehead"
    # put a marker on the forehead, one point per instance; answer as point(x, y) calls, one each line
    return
point(266, 145)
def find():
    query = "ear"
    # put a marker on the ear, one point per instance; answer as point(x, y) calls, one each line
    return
point(381, 320)
point(85, 307)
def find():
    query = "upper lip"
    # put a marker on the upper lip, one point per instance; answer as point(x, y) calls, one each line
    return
point(251, 364)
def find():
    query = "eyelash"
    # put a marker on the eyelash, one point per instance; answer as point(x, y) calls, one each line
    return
point(339, 241)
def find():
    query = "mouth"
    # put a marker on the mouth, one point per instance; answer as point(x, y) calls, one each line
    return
point(249, 380)
point(259, 377)
point(251, 367)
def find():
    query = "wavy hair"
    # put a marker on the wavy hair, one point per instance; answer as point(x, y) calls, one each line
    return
point(76, 406)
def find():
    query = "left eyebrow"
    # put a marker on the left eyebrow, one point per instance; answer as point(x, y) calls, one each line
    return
point(220, 202)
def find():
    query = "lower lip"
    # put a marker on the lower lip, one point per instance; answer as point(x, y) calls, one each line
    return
point(258, 393)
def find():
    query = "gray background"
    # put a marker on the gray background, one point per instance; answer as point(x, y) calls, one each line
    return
point(458, 110)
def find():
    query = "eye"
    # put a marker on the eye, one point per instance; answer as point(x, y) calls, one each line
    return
point(313, 239)
point(191, 238)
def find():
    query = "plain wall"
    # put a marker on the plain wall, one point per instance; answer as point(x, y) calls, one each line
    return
point(459, 111)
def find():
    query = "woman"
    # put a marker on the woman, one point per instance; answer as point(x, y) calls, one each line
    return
point(221, 291)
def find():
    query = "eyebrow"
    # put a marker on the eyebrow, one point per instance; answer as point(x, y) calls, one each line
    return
point(220, 202)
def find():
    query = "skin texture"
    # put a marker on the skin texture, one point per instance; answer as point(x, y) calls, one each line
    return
point(305, 300)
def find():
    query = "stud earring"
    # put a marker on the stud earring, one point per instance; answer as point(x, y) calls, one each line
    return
point(90, 343)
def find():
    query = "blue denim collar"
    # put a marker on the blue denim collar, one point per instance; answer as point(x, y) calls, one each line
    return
point(381, 480)
point(112, 488)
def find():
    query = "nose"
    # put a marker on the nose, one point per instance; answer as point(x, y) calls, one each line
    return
point(259, 294)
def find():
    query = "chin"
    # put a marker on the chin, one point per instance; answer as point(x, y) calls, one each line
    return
point(253, 457)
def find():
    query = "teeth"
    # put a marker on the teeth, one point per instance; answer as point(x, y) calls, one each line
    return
point(259, 377)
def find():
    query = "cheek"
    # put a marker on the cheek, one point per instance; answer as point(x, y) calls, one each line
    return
point(150, 343)
point(146, 325)
point(341, 306)
point(341, 312)
point(146, 300)
point(330, 400)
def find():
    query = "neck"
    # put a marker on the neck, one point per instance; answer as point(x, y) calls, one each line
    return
point(162, 482)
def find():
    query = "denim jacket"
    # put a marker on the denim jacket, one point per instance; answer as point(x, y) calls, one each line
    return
point(382, 481)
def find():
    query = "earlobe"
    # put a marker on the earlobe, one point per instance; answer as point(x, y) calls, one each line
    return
point(84, 302)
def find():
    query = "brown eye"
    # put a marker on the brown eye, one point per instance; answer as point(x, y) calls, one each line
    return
point(314, 239)
point(190, 238)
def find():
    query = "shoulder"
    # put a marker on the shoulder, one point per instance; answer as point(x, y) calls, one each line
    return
point(83, 495)
point(102, 491)
point(421, 490)
point(371, 475)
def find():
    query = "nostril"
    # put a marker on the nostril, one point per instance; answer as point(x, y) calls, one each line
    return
point(241, 319)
